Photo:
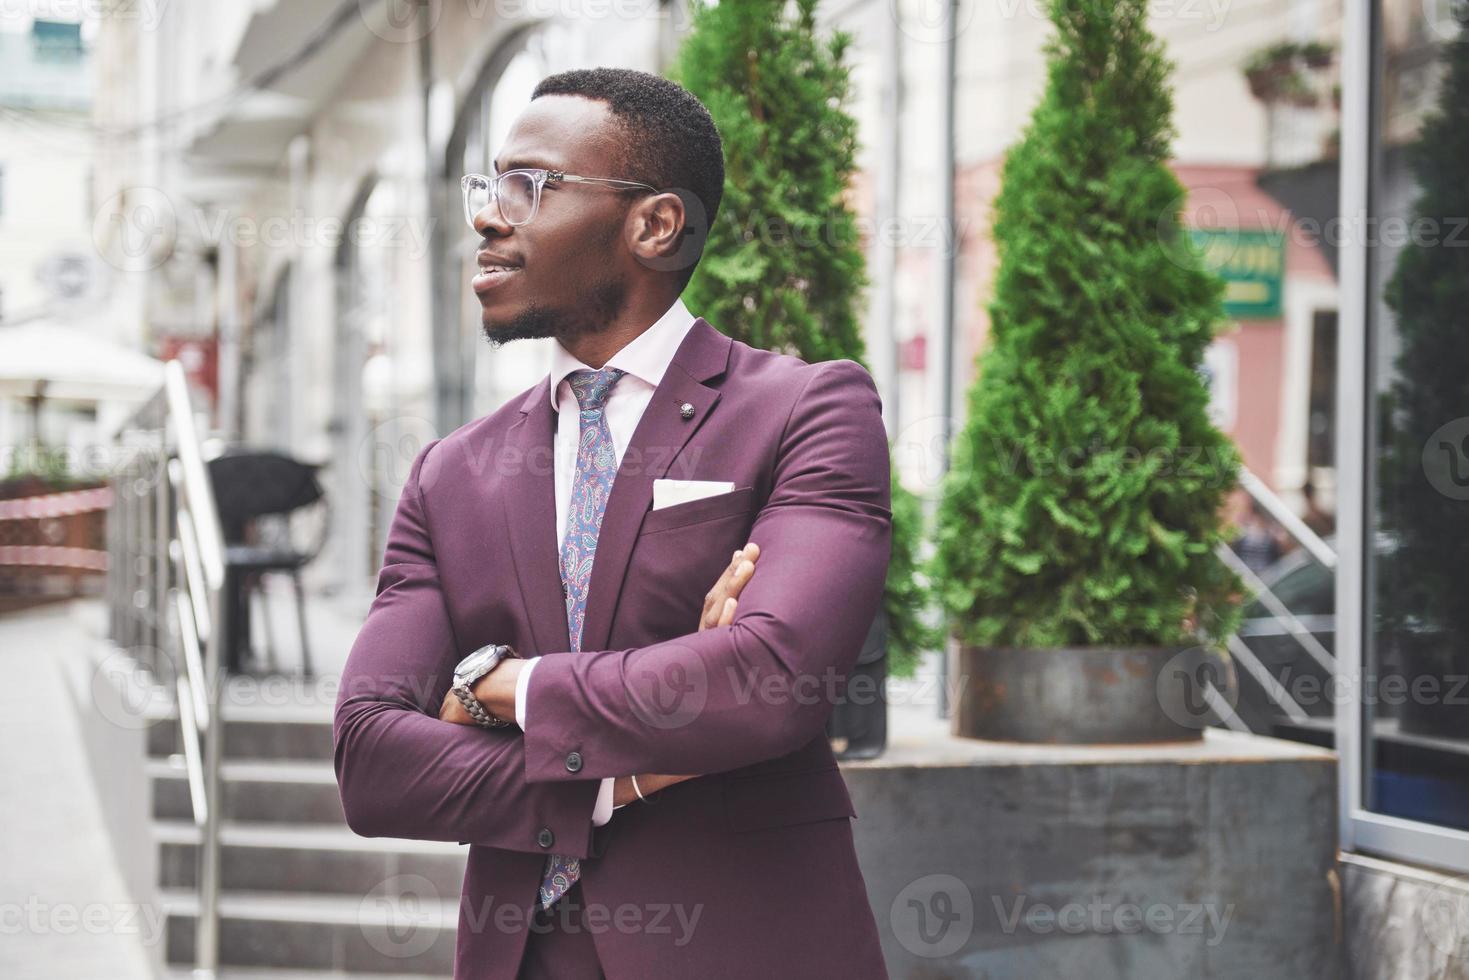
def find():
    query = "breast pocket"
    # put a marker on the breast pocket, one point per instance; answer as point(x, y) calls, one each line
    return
point(679, 554)
point(711, 508)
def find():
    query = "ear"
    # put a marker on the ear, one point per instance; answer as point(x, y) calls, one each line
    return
point(667, 231)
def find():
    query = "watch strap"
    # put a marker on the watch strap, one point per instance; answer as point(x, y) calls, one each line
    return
point(476, 710)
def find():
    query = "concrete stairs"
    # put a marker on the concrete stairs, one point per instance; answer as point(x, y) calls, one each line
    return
point(302, 897)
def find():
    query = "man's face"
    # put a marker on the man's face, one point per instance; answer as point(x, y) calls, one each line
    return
point(569, 264)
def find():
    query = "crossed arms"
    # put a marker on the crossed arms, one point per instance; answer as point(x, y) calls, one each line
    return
point(762, 678)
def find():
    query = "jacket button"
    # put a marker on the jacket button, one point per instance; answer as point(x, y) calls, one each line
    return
point(545, 838)
point(573, 762)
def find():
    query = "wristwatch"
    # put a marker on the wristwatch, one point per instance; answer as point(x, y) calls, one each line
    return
point(472, 668)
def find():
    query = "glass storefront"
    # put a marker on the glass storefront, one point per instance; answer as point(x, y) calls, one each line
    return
point(1415, 697)
point(1405, 423)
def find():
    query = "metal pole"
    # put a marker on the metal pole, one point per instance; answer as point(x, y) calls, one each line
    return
point(946, 273)
point(227, 285)
point(885, 264)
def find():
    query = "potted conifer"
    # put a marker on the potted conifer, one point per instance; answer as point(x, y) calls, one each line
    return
point(783, 266)
point(1077, 527)
point(1423, 490)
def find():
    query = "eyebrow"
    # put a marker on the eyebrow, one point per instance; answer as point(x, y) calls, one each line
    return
point(521, 165)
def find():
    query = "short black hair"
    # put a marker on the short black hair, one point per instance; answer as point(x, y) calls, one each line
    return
point(670, 140)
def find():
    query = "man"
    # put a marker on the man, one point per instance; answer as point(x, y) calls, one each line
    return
point(667, 680)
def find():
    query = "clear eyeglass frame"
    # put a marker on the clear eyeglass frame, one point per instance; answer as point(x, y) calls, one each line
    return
point(517, 193)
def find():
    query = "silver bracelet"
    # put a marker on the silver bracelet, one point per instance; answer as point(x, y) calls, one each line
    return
point(638, 791)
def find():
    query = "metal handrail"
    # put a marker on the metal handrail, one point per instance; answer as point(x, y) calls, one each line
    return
point(165, 589)
point(1278, 609)
point(1318, 549)
point(1298, 529)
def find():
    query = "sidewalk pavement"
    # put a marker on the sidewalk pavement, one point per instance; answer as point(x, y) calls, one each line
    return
point(64, 909)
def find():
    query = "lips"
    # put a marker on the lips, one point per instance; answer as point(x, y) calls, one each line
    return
point(493, 272)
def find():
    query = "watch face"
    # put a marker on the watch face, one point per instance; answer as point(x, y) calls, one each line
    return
point(475, 662)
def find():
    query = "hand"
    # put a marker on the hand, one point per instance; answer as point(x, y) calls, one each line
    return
point(720, 602)
point(495, 692)
point(453, 712)
point(623, 792)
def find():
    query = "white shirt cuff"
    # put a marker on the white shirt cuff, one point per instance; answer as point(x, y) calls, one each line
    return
point(602, 812)
point(522, 682)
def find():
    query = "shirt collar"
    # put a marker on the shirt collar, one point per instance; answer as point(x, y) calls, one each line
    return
point(646, 356)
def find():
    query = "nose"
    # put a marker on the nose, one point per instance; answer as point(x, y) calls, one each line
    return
point(488, 222)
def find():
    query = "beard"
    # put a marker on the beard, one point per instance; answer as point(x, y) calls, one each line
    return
point(592, 308)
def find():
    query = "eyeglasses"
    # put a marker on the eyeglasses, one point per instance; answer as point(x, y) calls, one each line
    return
point(518, 192)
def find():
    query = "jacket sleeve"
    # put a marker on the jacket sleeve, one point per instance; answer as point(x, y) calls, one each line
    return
point(400, 770)
point(764, 685)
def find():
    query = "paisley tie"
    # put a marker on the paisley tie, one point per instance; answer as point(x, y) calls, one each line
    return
point(596, 466)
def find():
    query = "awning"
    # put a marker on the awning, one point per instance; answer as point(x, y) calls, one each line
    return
point(66, 362)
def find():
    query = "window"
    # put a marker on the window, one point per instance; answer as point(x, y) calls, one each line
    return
point(1405, 444)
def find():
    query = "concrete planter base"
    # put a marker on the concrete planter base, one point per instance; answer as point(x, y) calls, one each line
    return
point(1077, 695)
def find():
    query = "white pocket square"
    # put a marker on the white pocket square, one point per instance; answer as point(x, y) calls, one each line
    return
point(666, 493)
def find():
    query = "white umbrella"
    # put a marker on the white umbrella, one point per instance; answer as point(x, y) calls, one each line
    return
point(53, 360)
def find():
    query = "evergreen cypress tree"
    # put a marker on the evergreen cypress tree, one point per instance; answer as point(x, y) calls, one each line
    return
point(1422, 469)
point(783, 267)
point(1084, 501)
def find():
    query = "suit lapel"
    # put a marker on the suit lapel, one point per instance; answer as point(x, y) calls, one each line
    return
point(530, 498)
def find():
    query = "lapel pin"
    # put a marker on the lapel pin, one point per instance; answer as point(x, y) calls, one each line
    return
point(686, 410)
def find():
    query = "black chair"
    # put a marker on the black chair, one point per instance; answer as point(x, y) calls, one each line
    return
point(275, 518)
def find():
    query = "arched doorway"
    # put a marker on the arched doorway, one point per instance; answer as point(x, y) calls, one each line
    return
point(481, 379)
point(382, 374)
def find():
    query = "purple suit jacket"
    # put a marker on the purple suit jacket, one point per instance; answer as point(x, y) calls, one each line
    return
point(748, 870)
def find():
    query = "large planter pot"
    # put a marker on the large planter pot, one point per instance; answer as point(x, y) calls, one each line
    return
point(1079, 695)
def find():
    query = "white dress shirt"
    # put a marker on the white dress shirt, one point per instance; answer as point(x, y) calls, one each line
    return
point(645, 358)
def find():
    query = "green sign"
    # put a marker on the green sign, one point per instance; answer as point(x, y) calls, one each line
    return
point(1252, 265)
